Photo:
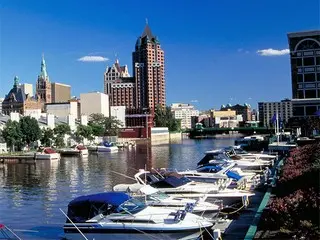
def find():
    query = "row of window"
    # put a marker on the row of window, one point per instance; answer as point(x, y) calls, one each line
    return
point(308, 93)
point(308, 61)
point(308, 77)
point(305, 110)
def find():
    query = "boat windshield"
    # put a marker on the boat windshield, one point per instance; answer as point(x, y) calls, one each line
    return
point(171, 182)
point(131, 206)
point(159, 196)
point(214, 156)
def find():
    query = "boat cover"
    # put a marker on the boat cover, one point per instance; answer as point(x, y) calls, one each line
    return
point(86, 207)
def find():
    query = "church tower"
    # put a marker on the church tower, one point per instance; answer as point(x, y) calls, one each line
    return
point(43, 86)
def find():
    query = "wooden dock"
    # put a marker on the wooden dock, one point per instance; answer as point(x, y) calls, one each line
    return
point(17, 158)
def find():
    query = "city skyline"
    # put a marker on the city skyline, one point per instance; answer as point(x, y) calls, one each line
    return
point(207, 55)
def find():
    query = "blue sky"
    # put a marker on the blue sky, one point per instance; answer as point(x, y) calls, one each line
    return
point(210, 46)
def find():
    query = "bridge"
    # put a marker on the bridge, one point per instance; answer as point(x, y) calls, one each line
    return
point(207, 132)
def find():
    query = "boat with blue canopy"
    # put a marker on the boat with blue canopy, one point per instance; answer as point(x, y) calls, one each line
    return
point(116, 215)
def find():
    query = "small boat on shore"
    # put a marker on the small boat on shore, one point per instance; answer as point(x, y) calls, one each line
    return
point(75, 150)
point(116, 215)
point(46, 153)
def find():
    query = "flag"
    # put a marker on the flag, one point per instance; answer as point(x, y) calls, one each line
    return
point(274, 118)
point(317, 113)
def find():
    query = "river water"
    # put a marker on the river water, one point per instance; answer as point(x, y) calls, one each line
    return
point(31, 194)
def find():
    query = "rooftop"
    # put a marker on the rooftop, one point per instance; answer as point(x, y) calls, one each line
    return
point(309, 33)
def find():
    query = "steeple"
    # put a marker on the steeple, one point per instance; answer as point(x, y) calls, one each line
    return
point(43, 72)
point(147, 31)
point(15, 82)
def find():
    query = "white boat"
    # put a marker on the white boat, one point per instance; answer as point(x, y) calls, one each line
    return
point(47, 154)
point(220, 156)
point(184, 187)
point(115, 215)
point(104, 147)
point(153, 197)
point(237, 150)
point(75, 150)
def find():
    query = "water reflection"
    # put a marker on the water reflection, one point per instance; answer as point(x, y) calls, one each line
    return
point(31, 194)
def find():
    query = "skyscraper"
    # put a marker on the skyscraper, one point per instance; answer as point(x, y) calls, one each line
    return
point(43, 86)
point(305, 72)
point(60, 92)
point(148, 70)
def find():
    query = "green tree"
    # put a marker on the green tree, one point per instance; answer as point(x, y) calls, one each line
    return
point(112, 126)
point(104, 126)
point(83, 132)
point(59, 141)
point(164, 118)
point(12, 135)
point(47, 137)
point(62, 129)
point(30, 129)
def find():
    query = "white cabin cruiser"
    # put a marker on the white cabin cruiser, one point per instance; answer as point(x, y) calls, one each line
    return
point(184, 187)
point(153, 197)
point(46, 153)
point(220, 156)
point(237, 150)
point(115, 215)
point(75, 150)
point(104, 147)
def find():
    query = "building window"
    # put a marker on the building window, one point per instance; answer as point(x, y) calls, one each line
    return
point(299, 62)
point(310, 110)
point(308, 61)
point(300, 78)
point(300, 94)
point(309, 77)
point(298, 111)
point(310, 94)
point(318, 60)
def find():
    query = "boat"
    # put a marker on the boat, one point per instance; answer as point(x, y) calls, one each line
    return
point(180, 186)
point(211, 173)
point(7, 234)
point(116, 215)
point(219, 156)
point(75, 150)
point(238, 151)
point(46, 153)
point(153, 197)
point(104, 147)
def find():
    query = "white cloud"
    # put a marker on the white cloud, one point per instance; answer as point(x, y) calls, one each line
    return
point(93, 59)
point(273, 52)
point(194, 101)
point(240, 49)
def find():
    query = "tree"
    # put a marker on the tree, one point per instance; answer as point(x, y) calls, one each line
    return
point(47, 137)
point(165, 118)
point(83, 132)
point(104, 126)
point(62, 129)
point(112, 126)
point(12, 134)
point(30, 129)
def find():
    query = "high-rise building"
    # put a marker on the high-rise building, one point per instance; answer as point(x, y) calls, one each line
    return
point(60, 92)
point(305, 72)
point(43, 86)
point(148, 70)
point(243, 110)
point(122, 92)
point(112, 74)
point(268, 109)
point(27, 89)
point(1, 100)
point(184, 112)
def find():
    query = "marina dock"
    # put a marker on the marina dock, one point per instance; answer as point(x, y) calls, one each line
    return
point(17, 158)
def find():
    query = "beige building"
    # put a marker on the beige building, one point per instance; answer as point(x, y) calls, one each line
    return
point(60, 92)
point(27, 89)
point(94, 102)
point(184, 112)
point(112, 74)
point(226, 119)
point(64, 109)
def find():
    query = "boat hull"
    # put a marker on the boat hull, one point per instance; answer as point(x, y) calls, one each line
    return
point(44, 156)
point(131, 234)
